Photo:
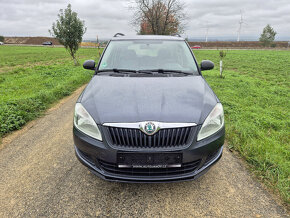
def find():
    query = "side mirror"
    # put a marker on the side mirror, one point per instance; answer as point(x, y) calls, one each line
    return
point(89, 65)
point(206, 65)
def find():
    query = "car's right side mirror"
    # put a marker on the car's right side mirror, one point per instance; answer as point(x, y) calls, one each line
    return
point(206, 65)
point(89, 65)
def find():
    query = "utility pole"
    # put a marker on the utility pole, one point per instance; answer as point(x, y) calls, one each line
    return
point(240, 26)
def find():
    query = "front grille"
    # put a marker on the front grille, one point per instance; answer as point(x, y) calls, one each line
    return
point(135, 138)
point(152, 172)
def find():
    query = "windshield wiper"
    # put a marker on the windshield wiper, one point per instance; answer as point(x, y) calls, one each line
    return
point(126, 71)
point(153, 71)
point(116, 70)
point(163, 71)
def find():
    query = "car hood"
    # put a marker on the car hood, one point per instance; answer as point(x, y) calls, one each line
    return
point(184, 99)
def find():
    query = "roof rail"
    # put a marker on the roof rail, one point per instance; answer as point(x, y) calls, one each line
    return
point(119, 34)
point(176, 34)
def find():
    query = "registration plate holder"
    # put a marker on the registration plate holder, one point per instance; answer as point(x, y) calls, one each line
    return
point(149, 160)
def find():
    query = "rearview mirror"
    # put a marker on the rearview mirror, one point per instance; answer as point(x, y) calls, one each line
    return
point(206, 65)
point(89, 65)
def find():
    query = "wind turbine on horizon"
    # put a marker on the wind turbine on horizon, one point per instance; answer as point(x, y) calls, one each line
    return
point(206, 31)
point(241, 22)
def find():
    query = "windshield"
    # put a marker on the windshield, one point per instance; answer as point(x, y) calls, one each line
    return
point(148, 55)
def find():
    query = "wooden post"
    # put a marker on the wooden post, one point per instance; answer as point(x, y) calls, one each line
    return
point(222, 55)
point(98, 47)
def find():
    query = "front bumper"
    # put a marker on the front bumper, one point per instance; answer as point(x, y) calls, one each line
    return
point(92, 153)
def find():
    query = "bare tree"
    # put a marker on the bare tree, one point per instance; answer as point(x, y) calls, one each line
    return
point(159, 17)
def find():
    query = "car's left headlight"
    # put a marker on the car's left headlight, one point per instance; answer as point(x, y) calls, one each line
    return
point(213, 123)
point(85, 123)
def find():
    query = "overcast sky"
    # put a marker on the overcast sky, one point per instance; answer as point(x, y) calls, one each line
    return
point(106, 17)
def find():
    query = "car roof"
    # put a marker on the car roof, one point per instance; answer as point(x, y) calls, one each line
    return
point(148, 37)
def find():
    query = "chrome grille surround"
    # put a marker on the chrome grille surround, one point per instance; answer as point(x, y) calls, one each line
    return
point(130, 136)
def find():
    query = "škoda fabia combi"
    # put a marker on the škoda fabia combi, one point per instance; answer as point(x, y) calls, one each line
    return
point(148, 115)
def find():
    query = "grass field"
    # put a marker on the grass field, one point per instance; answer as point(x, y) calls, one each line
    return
point(254, 92)
point(32, 78)
point(255, 96)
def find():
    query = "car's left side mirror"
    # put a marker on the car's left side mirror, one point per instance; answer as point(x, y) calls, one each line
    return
point(89, 65)
point(206, 65)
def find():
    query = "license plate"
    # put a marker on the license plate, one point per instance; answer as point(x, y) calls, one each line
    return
point(149, 160)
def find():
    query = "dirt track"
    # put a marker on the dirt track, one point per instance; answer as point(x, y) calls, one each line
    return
point(40, 176)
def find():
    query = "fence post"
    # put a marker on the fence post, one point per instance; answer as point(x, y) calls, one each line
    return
point(221, 68)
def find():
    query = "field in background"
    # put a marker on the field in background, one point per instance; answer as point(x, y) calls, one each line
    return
point(240, 45)
point(30, 40)
point(211, 44)
point(254, 92)
point(90, 44)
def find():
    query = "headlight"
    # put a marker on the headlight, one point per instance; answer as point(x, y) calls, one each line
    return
point(85, 123)
point(213, 123)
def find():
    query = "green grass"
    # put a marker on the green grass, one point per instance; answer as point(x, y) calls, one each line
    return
point(11, 56)
point(29, 85)
point(255, 96)
point(254, 92)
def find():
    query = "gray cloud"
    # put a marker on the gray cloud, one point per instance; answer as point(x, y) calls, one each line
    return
point(223, 17)
point(106, 17)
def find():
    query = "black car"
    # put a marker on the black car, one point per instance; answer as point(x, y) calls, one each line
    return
point(148, 115)
point(47, 43)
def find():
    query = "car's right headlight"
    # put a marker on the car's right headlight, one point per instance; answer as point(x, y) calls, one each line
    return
point(213, 123)
point(85, 123)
